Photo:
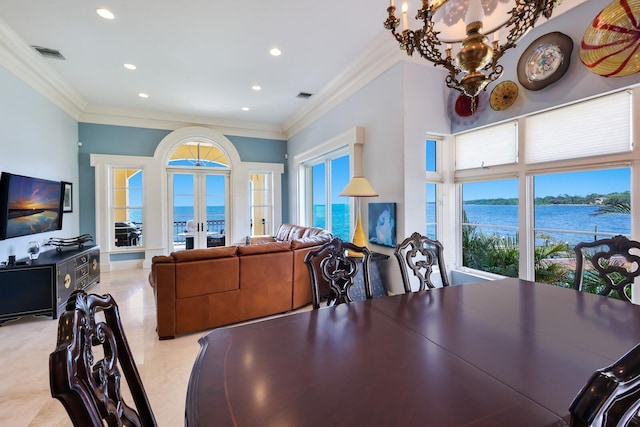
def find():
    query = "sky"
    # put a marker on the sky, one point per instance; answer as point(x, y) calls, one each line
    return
point(571, 183)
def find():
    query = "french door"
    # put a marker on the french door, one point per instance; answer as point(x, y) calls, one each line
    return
point(198, 204)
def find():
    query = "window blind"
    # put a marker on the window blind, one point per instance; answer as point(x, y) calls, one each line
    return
point(491, 146)
point(595, 127)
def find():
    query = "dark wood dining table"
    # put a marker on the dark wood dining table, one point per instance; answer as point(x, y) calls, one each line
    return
point(497, 353)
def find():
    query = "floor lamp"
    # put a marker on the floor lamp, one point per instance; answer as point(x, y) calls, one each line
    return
point(359, 187)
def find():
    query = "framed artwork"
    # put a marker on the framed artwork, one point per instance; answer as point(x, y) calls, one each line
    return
point(67, 197)
point(382, 224)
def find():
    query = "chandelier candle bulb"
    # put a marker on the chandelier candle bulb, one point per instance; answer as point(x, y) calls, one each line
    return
point(405, 8)
point(474, 12)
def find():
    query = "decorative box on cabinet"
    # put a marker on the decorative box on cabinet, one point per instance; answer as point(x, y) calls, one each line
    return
point(43, 286)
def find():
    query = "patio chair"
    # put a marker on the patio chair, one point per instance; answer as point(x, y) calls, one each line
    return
point(332, 264)
point(419, 255)
point(611, 263)
point(85, 368)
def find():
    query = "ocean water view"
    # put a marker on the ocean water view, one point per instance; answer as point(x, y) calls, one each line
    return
point(563, 223)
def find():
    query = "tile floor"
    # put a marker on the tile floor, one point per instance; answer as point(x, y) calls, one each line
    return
point(25, 344)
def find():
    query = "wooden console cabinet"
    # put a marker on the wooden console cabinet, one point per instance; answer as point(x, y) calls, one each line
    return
point(43, 286)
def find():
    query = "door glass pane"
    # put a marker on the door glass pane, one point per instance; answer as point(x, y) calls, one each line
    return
point(318, 195)
point(574, 207)
point(127, 208)
point(340, 213)
point(215, 210)
point(183, 208)
point(490, 226)
point(261, 203)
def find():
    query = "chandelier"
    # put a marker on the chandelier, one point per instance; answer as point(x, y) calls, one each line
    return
point(476, 63)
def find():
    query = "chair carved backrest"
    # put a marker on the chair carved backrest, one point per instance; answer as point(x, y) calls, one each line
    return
point(336, 263)
point(419, 254)
point(612, 262)
point(611, 397)
point(84, 369)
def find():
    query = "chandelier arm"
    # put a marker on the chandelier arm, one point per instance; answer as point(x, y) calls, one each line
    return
point(425, 41)
point(476, 55)
point(523, 17)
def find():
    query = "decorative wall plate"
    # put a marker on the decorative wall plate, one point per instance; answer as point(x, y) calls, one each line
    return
point(503, 95)
point(610, 44)
point(545, 60)
point(459, 107)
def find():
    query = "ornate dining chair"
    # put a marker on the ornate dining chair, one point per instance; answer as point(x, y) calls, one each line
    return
point(337, 263)
point(419, 255)
point(611, 397)
point(608, 265)
point(85, 368)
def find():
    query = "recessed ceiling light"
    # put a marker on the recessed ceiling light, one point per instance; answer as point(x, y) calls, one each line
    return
point(245, 108)
point(143, 95)
point(105, 13)
point(130, 66)
point(256, 87)
point(275, 51)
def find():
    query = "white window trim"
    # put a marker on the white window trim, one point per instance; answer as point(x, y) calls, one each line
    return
point(525, 172)
point(104, 165)
point(276, 171)
point(351, 140)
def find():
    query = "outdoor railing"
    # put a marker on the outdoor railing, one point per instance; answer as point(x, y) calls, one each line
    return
point(180, 229)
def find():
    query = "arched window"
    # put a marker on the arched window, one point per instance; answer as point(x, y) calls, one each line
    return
point(199, 153)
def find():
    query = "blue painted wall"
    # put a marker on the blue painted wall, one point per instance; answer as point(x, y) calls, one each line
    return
point(132, 141)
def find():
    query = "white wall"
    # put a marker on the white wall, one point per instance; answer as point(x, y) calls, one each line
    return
point(396, 110)
point(578, 83)
point(39, 140)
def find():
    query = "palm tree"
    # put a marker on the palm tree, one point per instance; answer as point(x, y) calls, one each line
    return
point(616, 207)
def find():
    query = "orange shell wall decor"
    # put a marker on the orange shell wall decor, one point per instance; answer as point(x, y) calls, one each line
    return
point(611, 44)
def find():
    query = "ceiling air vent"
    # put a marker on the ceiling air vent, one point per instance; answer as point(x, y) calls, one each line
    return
point(49, 53)
point(304, 95)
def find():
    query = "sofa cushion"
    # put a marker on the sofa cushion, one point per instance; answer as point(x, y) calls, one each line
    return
point(290, 232)
point(203, 254)
point(284, 232)
point(306, 242)
point(207, 276)
point(264, 248)
point(161, 258)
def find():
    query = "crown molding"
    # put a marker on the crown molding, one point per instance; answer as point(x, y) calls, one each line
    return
point(171, 121)
point(25, 63)
point(380, 55)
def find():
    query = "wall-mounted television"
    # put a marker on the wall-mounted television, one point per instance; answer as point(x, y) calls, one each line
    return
point(29, 205)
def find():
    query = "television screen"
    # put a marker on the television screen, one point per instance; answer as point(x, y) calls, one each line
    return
point(29, 205)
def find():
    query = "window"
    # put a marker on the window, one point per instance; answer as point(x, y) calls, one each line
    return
point(330, 210)
point(433, 180)
point(490, 226)
point(571, 183)
point(127, 210)
point(592, 128)
point(573, 207)
point(261, 203)
point(323, 172)
point(490, 146)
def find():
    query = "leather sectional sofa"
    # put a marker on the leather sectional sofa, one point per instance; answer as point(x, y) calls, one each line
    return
point(204, 288)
